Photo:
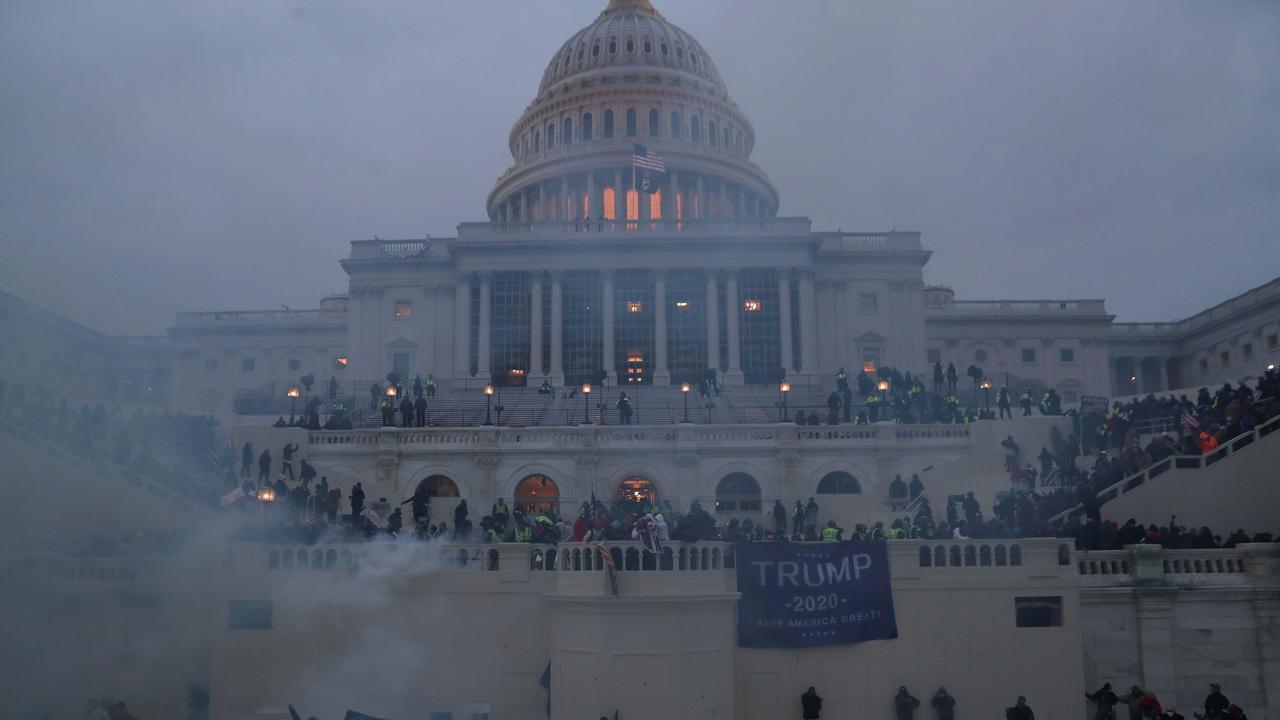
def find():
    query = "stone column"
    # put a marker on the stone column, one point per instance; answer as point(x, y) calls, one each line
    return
point(1263, 563)
point(740, 212)
point(524, 206)
point(561, 204)
point(808, 325)
point(619, 198)
point(462, 327)
point(713, 319)
point(484, 365)
point(557, 329)
point(842, 336)
point(661, 376)
point(542, 202)
point(1162, 375)
point(676, 207)
point(608, 355)
point(535, 327)
point(784, 318)
point(701, 194)
point(723, 195)
point(593, 205)
point(733, 310)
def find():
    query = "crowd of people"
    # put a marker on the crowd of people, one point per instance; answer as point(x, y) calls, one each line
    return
point(1144, 705)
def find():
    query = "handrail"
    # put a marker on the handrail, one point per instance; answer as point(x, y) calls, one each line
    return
point(1179, 462)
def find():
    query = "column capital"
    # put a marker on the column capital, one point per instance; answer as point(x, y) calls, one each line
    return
point(484, 275)
point(607, 274)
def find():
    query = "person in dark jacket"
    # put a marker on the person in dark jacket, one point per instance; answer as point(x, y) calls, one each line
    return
point(246, 459)
point(812, 704)
point(264, 467)
point(1020, 711)
point(904, 704)
point(406, 413)
point(1106, 701)
point(1132, 699)
point(357, 501)
point(944, 706)
point(1216, 704)
point(286, 462)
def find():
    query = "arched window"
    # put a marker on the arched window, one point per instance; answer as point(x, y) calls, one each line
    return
point(633, 205)
point(582, 51)
point(664, 49)
point(838, 483)
point(711, 132)
point(537, 492)
point(551, 136)
point(695, 129)
point(648, 46)
point(610, 204)
point(653, 123)
point(655, 206)
point(613, 46)
point(631, 45)
point(638, 490)
point(566, 137)
point(608, 124)
point(588, 127)
point(631, 122)
point(738, 492)
point(676, 130)
point(439, 486)
point(595, 50)
point(727, 135)
point(537, 141)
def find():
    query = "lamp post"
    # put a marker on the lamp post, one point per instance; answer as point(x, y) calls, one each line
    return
point(488, 404)
point(586, 403)
point(293, 395)
point(783, 389)
point(883, 387)
point(684, 390)
point(986, 391)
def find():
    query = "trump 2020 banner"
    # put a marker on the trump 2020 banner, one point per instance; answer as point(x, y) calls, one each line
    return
point(810, 595)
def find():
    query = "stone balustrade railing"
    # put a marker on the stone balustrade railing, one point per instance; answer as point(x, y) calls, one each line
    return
point(1020, 307)
point(635, 436)
point(1246, 564)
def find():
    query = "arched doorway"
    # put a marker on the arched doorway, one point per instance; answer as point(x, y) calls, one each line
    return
point(439, 486)
point(639, 490)
point(537, 492)
point(738, 493)
point(839, 483)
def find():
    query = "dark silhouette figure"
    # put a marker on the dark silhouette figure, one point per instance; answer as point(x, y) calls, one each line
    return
point(1106, 701)
point(904, 704)
point(1020, 711)
point(357, 502)
point(420, 411)
point(264, 467)
point(1216, 704)
point(811, 703)
point(286, 460)
point(406, 413)
point(246, 459)
point(944, 706)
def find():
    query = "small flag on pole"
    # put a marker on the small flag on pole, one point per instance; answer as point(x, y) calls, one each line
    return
point(611, 568)
point(646, 159)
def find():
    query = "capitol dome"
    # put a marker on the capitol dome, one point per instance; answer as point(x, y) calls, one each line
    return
point(632, 78)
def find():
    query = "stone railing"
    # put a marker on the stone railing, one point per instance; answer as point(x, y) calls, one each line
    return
point(1020, 307)
point(505, 232)
point(634, 436)
point(1245, 564)
point(867, 242)
point(258, 318)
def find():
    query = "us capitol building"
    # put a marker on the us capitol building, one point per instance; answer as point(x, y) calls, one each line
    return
point(590, 261)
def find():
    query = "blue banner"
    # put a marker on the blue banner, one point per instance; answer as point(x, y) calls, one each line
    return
point(808, 595)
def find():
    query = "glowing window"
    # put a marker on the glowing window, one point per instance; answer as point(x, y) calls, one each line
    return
point(634, 307)
point(610, 204)
point(586, 205)
point(633, 205)
point(638, 489)
point(403, 309)
point(655, 206)
point(682, 304)
point(679, 206)
point(868, 366)
point(341, 362)
point(537, 492)
point(751, 305)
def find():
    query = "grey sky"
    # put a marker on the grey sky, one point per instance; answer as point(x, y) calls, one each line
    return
point(157, 157)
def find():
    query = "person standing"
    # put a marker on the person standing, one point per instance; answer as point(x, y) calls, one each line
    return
point(264, 467)
point(953, 377)
point(904, 704)
point(420, 410)
point(357, 501)
point(1132, 699)
point(779, 518)
point(1106, 701)
point(286, 459)
point(937, 377)
point(406, 413)
point(811, 704)
point(1002, 402)
point(944, 706)
point(1216, 704)
point(1020, 711)
point(246, 459)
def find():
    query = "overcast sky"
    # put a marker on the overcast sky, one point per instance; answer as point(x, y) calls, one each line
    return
point(166, 156)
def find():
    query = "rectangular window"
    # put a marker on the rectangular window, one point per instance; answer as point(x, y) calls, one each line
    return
point(1038, 611)
point(247, 364)
point(935, 356)
point(1225, 359)
point(400, 364)
point(868, 302)
point(870, 358)
point(403, 310)
point(1273, 342)
point(1028, 355)
point(1247, 349)
point(1068, 355)
point(211, 365)
point(1204, 366)
point(340, 362)
point(249, 615)
point(509, 327)
point(759, 329)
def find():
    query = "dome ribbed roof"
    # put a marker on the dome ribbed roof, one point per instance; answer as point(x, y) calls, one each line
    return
point(631, 34)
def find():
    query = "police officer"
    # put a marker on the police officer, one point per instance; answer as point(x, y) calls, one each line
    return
point(624, 408)
point(1025, 402)
point(831, 533)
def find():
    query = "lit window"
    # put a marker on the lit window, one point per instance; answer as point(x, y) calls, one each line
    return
point(403, 309)
point(1247, 349)
point(634, 307)
point(1067, 355)
point(868, 366)
point(751, 305)
point(247, 364)
point(1028, 355)
point(870, 359)
point(655, 206)
point(869, 302)
point(633, 205)
point(340, 362)
point(586, 206)
point(610, 204)
point(679, 207)
point(1225, 359)
point(682, 304)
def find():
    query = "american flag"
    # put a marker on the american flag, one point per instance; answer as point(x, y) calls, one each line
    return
point(1189, 422)
point(648, 160)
